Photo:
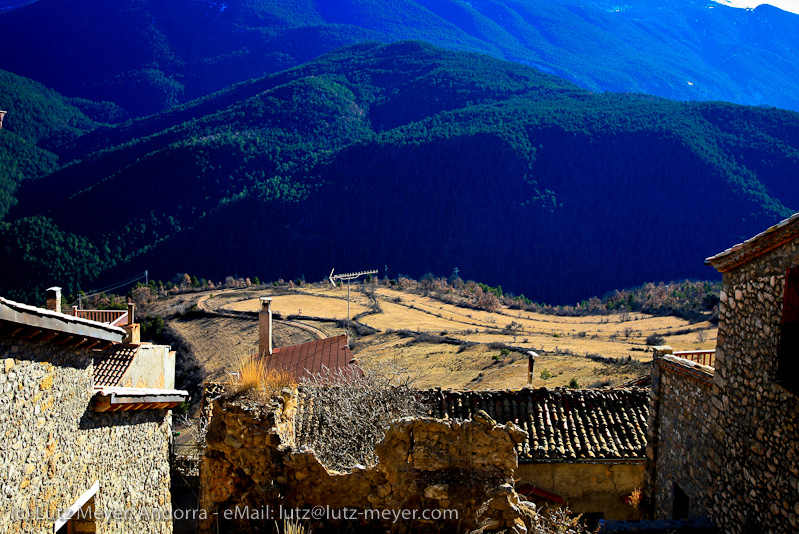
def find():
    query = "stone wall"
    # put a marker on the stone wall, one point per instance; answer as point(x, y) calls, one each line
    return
point(680, 449)
point(424, 464)
point(589, 487)
point(53, 447)
point(758, 484)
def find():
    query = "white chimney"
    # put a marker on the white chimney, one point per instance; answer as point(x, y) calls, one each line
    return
point(265, 327)
point(53, 296)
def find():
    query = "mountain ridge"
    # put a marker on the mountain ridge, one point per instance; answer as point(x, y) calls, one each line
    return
point(420, 158)
point(160, 53)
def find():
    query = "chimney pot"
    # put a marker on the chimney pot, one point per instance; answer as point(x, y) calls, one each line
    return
point(131, 309)
point(265, 327)
point(531, 356)
point(53, 297)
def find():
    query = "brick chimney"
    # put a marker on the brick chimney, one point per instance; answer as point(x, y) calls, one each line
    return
point(53, 296)
point(265, 327)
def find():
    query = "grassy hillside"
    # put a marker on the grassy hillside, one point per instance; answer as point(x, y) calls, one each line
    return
point(443, 344)
point(421, 159)
point(157, 53)
point(39, 120)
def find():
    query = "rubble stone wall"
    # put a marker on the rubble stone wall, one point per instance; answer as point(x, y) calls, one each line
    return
point(683, 453)
point(53, 447)
point(758, 439)
point(424, 464)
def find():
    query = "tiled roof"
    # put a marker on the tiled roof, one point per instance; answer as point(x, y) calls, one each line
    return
point(23, 314)
point(309, 358)
point(110, 364)
point(114, 399)
point(779, 234)
point(562, 424)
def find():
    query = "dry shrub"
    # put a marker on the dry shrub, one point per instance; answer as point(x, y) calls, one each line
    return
point(293, 526)
point(345, 413)
point(557, 520)
point(250, 374)
point(635, 498)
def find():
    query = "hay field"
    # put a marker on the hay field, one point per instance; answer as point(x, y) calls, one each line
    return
point(216, 342)
point(328, 307)
point(457, 347)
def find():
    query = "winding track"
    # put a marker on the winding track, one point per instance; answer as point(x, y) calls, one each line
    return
point(201, 303)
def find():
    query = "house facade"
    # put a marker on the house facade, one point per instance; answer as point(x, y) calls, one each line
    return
point(82, 449)
point(584, 447)
point(724, 438)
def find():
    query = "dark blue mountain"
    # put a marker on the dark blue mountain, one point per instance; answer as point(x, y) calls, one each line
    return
point(146, 55)
point(408, 155)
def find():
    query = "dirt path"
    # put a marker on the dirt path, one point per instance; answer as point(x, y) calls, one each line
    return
point(308, 328)
point(201, 303)
point(204, 307)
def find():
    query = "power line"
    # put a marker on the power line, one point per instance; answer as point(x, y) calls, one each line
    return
point(117, 285)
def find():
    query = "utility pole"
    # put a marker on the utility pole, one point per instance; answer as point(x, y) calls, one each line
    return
point(349, 277)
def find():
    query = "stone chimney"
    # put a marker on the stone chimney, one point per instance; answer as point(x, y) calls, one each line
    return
point(531, 356)
point(132, 328)
point(265, 327)
point(53, 296)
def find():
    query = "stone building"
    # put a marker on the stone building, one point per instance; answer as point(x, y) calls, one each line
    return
point(584, 448)
point(724, 432)
point(85, 423)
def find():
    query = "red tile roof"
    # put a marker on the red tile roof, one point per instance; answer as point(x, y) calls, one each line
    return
point(562, 424)
point(110, 364)
point(309, 358)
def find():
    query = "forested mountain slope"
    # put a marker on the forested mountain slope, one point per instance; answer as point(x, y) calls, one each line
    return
point(415, 157)
point(147, 55)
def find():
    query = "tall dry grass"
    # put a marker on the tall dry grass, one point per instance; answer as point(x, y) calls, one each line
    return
point(251, 374)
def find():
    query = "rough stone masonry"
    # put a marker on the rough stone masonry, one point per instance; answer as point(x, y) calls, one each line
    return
point(53, 447)
point(424, 464)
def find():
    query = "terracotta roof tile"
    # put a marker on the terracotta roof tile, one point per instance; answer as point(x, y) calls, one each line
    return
point(562, 424)
point(309, 358)
point(110, 364)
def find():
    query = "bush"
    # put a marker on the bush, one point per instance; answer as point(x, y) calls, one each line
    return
point(545, 374)
point(250, 374)
point(345, 412)
point(557, 520)
point(655, 339)
point(573, 384)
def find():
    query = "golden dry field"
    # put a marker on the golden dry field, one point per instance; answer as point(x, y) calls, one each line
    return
point(445, 345)
point(217, 342)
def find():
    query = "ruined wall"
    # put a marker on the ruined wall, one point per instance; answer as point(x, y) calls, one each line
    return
point(588, 487)
point(758, 485)
point(681, 451)
point(424, 464)
point(53, 447)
